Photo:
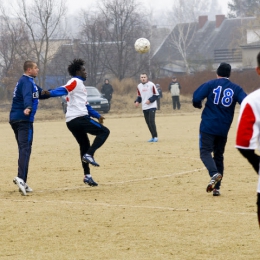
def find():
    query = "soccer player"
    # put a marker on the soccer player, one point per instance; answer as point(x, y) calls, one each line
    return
point(147, 94)
point(26, 97)
point(217, 116)
point(248, 131)
point(79, 117)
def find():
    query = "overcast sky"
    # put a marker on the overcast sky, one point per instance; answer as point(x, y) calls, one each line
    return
point(75, 5)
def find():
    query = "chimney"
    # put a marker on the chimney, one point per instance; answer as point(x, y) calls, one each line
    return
point(202, 20)
point(219, 19)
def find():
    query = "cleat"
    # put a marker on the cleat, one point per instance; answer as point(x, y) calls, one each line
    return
point(27, 188)
point(89, 181)
point(216, 192)
point(20, 183)
point(214, 180)
point(151, 140)
point(155, 139)
point(86, 158)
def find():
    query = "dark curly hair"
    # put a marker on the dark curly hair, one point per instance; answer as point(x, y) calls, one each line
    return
point(75, 66)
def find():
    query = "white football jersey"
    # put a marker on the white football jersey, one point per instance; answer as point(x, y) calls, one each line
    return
point(248, 130)
point(76, 99)
point(145, 91)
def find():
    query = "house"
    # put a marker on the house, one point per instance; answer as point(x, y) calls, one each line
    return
point(206, 43)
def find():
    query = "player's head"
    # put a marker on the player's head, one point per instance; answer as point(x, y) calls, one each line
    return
point(258, 63)
point(30, 68)
point(77, 68)
point(143, 78)
point(106, 81)
point(224, 70)
point(174, 78)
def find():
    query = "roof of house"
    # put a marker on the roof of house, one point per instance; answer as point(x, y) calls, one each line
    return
point(212, 40)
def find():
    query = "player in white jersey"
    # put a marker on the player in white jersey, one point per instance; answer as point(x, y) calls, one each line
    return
point(248, 132)
point(147, 94)
point(79, 117)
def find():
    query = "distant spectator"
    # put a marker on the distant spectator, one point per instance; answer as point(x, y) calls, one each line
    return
point(160, 96)
point(107, 90)
point(174, 88)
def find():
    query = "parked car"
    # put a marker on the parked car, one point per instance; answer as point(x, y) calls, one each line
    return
point(95, 99)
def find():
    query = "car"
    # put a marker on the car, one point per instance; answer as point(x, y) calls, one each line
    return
point(95, 99)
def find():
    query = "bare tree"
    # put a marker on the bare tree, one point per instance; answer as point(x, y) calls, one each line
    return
point(43, 20)
point(13, 39)
point(93, 39)
point(243, 8)
point(123, 25)
point(184, 16)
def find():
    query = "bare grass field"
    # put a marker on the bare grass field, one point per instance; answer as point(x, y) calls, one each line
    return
point(151, 202)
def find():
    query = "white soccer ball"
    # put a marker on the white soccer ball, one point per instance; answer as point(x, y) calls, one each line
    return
point(142, 45)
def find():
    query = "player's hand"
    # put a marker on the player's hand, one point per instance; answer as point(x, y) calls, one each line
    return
point(45, 92)
point(101, 120)
point(148, 102)
point(136, 104)
point(27, 111)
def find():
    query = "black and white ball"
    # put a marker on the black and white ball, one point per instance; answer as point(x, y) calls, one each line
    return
point(142, 45)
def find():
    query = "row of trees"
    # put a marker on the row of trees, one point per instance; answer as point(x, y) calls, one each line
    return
point(106, 36)
point(243, 8)
point(106, 39)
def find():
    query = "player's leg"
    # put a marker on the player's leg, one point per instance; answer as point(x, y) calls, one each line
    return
point(24, 137)
point(82, 139)
point(100, 131)
point(206, 145)
point(258, 200)
point(146, 117)
point(252, 158)
point(218, 156)
point(150, 121)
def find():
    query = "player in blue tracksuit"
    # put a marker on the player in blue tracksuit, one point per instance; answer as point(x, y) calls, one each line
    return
point(217, 116)
point(26, 96)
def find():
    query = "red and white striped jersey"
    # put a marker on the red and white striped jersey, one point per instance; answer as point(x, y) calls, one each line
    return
point(248, 130)
point(76, 99)
point(145, 91)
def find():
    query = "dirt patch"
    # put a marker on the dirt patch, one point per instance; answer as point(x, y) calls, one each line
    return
point(151, 201)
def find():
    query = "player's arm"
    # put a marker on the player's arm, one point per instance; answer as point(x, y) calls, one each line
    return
point(93, 113)
point(27, 92)
point(252, 157)
point(241, 96)
point(138, 98)
point(155, 95)
point(43, 94)
point(58, 92)
point(199, 95)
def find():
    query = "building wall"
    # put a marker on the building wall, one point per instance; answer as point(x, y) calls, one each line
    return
point(249, 57)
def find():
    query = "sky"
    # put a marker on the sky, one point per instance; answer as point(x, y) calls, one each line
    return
point(75, 5)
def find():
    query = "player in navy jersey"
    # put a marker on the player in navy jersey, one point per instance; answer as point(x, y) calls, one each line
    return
point(147, 94)
point(26, 97)
point(217, 116)
point(79, 117)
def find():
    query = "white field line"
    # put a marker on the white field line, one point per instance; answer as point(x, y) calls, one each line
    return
point(122, 205)
point(108, 205)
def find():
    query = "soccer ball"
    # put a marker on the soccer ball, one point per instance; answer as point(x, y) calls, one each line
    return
point(142, 45)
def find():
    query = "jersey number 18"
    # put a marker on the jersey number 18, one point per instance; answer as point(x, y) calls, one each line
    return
point(227, 98)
